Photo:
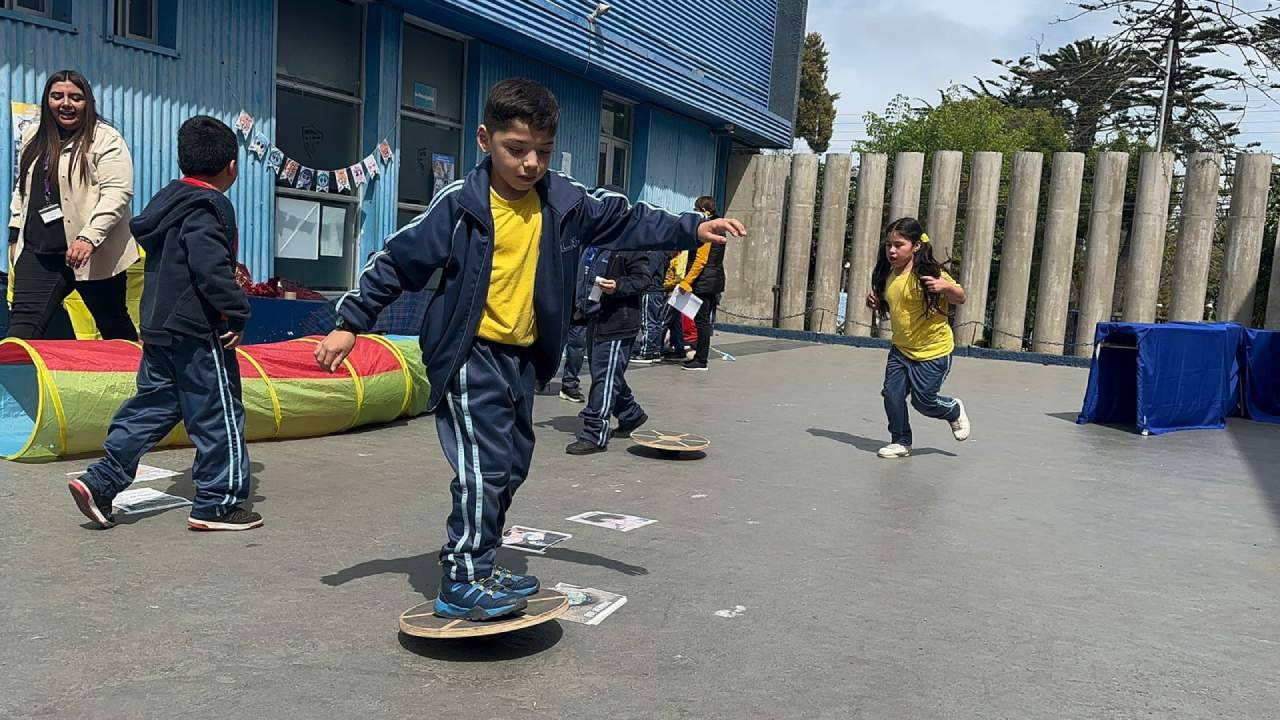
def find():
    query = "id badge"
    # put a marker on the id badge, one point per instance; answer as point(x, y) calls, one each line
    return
point(51, 214)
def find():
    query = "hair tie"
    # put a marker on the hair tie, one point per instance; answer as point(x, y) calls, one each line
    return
point(924, 237)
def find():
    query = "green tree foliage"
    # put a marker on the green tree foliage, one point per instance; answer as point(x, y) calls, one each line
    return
point(816, 111)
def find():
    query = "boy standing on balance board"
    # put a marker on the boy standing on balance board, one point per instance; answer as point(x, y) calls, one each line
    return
point(507, 238)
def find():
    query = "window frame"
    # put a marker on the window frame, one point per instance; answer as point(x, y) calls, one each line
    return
point(123, 11)
point(611, 143)
point(57, 15)
point(354, 201)
point(13, 7)
point(415, 115)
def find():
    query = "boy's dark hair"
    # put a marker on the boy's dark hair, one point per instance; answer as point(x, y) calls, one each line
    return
point(706, 204)
point(205, 146)
point(521, 99)
point(924, 265)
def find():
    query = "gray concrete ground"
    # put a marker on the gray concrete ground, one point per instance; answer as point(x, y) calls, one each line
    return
point(1040, 570)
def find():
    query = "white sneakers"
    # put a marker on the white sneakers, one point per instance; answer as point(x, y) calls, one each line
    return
point(894, 450)
point(960, 426)
point(960, 429)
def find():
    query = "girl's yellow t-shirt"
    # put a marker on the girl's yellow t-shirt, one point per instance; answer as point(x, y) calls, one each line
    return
point(918, 336)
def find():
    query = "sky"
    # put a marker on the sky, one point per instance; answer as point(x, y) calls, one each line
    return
point(880, 48)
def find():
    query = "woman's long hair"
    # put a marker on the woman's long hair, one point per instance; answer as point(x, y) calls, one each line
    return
point(924, 265)
point(47, 144)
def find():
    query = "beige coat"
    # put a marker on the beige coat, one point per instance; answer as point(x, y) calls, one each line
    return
point(98, 211)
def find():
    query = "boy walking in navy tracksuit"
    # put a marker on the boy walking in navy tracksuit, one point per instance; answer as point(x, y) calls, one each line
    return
point(612, 322)
point(193, 316)
point(507, 238)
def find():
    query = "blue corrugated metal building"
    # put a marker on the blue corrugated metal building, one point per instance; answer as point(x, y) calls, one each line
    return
point(655, 94)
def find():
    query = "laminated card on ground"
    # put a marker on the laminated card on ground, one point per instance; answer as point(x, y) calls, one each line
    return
point(145, 499)
point(532, 540)
point(589, 606)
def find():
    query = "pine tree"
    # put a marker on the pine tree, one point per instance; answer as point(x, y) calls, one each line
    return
point(816, 111)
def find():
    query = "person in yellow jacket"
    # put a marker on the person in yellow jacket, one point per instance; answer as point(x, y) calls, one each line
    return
point(705, 279)
point(676, 273)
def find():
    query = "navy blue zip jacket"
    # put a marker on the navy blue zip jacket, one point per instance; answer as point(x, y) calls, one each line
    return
point(189, 233)
point(456, 234)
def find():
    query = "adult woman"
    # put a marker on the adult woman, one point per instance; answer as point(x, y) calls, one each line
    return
point(69, 216)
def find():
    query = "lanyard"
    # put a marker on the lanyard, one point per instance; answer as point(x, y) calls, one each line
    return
point(48, 192)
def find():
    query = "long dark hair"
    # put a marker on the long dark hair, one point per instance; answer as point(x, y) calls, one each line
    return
point(924, 265)
point(47, 144)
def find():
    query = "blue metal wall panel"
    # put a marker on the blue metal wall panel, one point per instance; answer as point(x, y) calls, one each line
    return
point(680, 161)
point(579, 132)
point(381, 122)
point(147, 95)
point(717, 72)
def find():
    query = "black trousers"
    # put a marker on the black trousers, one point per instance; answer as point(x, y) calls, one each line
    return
point(42, 282)
point(703, 321)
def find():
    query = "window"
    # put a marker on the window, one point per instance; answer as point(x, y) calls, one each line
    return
point(43, 8)
point(145, 24)
point(615, 143)
point(137, 19)
point(431, 106)
point(38, 11)
point(318, 110)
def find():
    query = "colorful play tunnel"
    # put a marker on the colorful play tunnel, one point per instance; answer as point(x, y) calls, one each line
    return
point(57, 397)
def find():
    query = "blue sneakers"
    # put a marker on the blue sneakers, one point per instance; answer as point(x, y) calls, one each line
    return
point(479, 600)
point(522, 585)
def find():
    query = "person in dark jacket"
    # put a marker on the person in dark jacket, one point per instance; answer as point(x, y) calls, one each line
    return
point(653, 312)
point(612, 322)
point(507, 239)
point(193, 317)
point(707, 285)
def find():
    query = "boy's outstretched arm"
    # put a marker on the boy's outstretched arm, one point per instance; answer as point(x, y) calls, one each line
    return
point(611, 220)
point(404, 264)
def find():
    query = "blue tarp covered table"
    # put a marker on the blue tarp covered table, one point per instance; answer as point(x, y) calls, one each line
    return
point(277, 319)
point(1162, 378)
point(1262, 375)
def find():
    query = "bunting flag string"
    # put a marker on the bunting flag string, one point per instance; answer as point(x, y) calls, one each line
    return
point(292, 173)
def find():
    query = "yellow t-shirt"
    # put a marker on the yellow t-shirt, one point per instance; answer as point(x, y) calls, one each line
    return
point(915, 335)
point(517, 233)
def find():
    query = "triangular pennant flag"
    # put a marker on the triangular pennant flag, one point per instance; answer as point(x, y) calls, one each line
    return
point(259, 145)
point(290, 171)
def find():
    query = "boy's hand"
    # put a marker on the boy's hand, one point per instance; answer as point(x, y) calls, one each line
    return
point(607, 286)
point(334, 349)
point(231, 339)
point(714, 231)
point(871, 300)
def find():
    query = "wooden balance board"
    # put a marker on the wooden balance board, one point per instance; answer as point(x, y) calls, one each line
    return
point(421, 621)
point(670, 442)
